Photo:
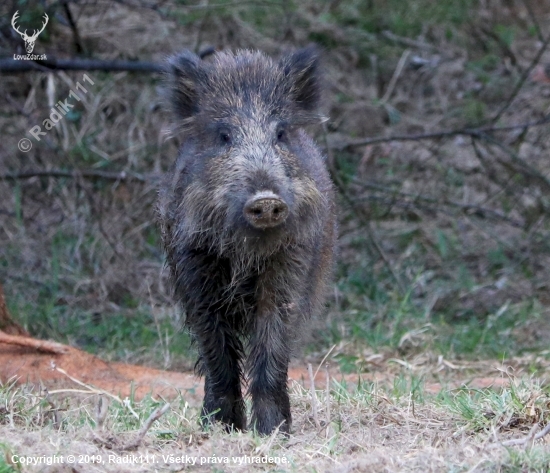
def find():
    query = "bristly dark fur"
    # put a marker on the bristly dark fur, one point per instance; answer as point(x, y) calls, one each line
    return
point(246, 290)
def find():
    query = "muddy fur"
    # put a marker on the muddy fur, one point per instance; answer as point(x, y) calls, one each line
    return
point(247, 292)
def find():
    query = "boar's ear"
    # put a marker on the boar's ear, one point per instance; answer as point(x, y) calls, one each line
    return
point(184, 75)
point(301, 71)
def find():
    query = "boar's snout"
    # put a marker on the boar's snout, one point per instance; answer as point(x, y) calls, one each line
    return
point(265, 210)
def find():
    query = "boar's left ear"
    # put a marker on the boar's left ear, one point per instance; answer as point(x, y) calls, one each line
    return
point(301, 71)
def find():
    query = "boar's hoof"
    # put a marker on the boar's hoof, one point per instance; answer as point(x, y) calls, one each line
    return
point(265, 210)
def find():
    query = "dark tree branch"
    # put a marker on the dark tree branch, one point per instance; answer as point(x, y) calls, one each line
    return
point(105, 175)
point(11, 65)
point(77, 64)
point(72, 23)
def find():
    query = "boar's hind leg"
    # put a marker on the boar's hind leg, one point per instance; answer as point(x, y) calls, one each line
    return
point(268, 367)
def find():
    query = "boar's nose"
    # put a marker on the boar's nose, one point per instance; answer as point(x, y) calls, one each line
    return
point(265, 210)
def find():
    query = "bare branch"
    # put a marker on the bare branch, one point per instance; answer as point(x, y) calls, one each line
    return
point(470, 209)
point(155, 415)
point(525, 168)
point(529, 438)
point(76, 174)
point(408, 41)
point(476, 132)
point(536, 25)
point(11, 65)
point(77, 64)
point(72, 23)
point(522, 80)
point(361, 214)
point(28, 342)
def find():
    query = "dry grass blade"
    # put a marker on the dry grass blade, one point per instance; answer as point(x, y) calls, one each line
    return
point(329, 431)
point(313, 396)
point(397, 73)
point(266, 447)
point(91, 389)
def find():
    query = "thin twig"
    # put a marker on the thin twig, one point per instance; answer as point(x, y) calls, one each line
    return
point(101, 412)
point(408, 41)
point(313, 396)
point(536, 25)
point(87, 386)
point(155, 415)
point(506, 51)
point(531, 436)
point(396, 75)
point(527, 169)
point(466, 208)
point(528, 438)
point(327, 400)
point(521, 81)
point(72, 390)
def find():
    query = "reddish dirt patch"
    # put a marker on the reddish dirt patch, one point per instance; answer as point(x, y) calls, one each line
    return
point(28, 365)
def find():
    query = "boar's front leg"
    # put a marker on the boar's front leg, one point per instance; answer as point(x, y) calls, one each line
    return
point(268, 370)
point(268, 359)
point(219, 362)
point(213, 326)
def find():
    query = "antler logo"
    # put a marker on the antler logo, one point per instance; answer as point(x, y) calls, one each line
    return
point(29, 40)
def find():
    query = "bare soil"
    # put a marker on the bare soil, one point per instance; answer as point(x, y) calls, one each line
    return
point(65, 370)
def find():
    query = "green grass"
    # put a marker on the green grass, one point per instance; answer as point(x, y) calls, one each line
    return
point(6, 465)
point(131, 333)
point(375, 314)
point(399, 16)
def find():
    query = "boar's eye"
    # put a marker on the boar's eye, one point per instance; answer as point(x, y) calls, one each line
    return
point(225, 137)
point(281, 134)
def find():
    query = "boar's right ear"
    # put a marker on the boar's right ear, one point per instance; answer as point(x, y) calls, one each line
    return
point(301, 70)
point(184, 75)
